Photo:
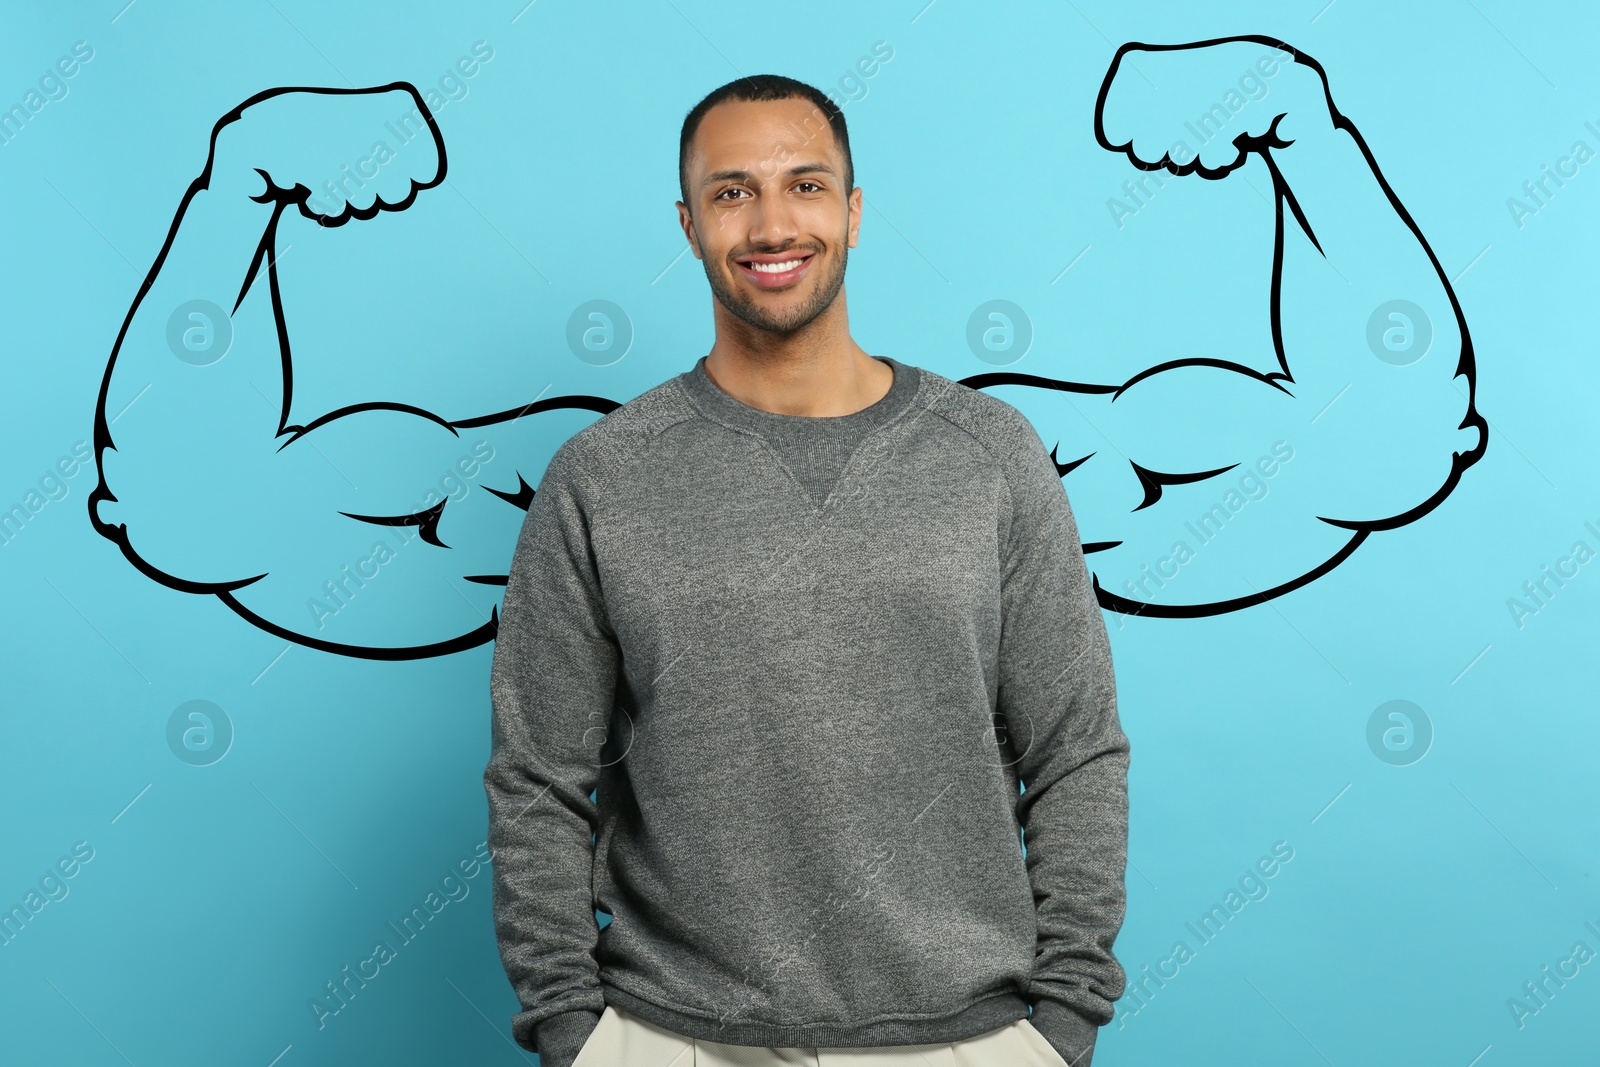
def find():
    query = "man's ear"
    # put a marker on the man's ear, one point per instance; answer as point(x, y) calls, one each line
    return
point(854, 203)
point(687, 222)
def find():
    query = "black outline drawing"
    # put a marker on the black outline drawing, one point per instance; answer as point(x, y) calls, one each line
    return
point(427, 520)
point(1153, 481)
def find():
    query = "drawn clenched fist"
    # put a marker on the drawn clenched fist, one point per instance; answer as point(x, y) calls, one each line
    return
point(336, 153)
point(1203, 107)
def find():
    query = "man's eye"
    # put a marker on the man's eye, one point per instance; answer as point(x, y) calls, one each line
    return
point(725, 192)
point(813, 185)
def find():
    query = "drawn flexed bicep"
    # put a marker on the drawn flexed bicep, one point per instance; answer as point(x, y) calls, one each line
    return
point(1206, 483)
point(378, 529)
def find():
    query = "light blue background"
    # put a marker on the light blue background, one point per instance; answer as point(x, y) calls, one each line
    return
point(1419, 899)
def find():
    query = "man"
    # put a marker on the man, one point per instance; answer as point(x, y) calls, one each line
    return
point(805, 621)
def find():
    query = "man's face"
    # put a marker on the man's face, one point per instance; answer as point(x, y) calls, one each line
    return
point(770, 218)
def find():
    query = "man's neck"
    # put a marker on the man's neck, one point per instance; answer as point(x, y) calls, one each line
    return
point(812, 372)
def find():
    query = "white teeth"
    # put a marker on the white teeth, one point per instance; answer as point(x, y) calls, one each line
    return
point(776, 268)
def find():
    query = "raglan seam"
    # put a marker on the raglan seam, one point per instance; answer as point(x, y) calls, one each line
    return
point(997, 460)
point(601, 455)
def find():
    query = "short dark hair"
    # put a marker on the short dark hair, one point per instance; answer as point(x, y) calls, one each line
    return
point(761, 87)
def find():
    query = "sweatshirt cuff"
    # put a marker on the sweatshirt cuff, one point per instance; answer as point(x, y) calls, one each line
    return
point(562, 1036)
point(1069, 1033)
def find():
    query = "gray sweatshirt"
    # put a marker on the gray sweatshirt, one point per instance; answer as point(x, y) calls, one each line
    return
point(785, 697)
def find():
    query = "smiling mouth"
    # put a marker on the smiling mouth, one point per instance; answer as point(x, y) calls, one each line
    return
point(772, 272)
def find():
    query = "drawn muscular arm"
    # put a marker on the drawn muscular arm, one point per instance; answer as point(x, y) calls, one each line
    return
point(361, 531)
point(1344, 248)
point(1378, 437)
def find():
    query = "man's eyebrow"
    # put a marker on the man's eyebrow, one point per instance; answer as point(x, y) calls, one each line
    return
point(745, 176)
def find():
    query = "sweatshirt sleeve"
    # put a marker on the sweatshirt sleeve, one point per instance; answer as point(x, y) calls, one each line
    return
point(1058, 696)
point(552, 681)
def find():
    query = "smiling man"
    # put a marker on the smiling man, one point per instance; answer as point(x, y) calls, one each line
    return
point(794, 647)
point(775, 212)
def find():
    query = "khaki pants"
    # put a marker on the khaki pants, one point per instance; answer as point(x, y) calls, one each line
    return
point(624, 1040)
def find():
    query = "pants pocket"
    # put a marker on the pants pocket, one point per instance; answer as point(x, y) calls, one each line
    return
point(1042, 1047)
point(591, 1043)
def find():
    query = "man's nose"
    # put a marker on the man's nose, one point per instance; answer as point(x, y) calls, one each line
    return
point(773, 222)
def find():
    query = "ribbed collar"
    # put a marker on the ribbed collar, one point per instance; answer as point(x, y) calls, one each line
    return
point(709, 397)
